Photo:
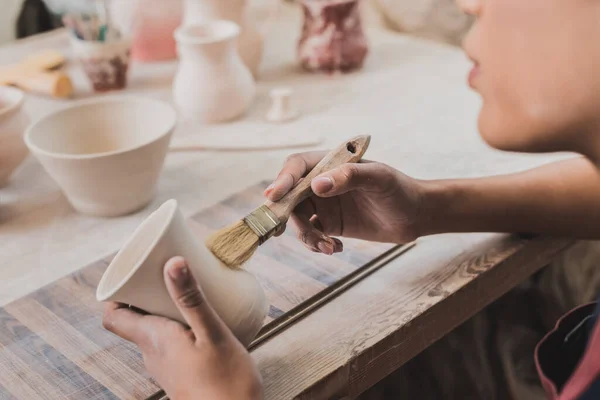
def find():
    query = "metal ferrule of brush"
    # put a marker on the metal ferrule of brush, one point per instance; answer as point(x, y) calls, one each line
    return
point(263, 222)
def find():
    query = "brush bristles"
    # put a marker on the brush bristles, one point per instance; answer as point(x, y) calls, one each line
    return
point(234, 244)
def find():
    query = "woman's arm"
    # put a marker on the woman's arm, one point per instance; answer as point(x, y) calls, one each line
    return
point(561, 199)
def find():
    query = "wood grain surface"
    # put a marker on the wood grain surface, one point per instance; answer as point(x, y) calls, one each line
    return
point(52, 344)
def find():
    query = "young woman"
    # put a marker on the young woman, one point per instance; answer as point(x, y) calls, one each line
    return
point(537, 68)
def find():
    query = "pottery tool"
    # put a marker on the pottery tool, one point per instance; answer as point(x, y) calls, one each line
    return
point(38, 73)
point(236, 243)
point(328, 294)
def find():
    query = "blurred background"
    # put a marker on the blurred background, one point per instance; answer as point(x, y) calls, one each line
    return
point(435, 19)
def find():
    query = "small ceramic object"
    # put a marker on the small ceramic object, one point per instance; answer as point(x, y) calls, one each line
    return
point(332, 38)
point(106, 154)
point(106, 64)
point(282, 108)
point(212, 85)
point(251, 42)
point(13, 121)
point(135, 276)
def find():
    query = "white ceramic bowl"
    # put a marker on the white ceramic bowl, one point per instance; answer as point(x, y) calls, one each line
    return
point(13, 122)
point(106, 154)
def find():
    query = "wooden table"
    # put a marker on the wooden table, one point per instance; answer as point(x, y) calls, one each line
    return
point(412, 98)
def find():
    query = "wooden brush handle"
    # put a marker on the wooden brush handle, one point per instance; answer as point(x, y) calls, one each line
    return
point(351, 151)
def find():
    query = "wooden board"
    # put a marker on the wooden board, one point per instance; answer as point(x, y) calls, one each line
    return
point(52, 345)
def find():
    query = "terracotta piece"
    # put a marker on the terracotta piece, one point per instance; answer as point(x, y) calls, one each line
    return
point(135, 276)
point(212, 85)
point(250, 44)
point(13, 121)
point(282, 108)
point(106, 64)
point(106, 154)
point(332, 36)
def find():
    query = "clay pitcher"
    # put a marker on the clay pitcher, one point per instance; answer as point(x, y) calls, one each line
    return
point(212, 84)
point(251, 41)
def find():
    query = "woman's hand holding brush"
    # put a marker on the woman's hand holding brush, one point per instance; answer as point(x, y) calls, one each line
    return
point(327, 194)
point(366, 200)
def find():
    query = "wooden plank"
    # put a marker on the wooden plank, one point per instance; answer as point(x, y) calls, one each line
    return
point(35, 355)
point(20, 379)
point(107, 369)
point(405, 314)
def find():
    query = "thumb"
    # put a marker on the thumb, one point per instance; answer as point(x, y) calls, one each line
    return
point(368, 177)
point(199, 315)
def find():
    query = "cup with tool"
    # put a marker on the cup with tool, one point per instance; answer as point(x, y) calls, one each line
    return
point(102, 50)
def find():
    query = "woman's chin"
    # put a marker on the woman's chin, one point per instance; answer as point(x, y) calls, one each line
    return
point(506, 133)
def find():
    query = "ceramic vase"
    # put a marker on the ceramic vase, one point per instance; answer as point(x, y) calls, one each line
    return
point(135, 276)
point(250, 44)
point(212, 84)
point(13, 121)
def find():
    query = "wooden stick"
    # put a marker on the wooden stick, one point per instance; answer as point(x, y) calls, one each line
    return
point(328, 294)
point(199, 145)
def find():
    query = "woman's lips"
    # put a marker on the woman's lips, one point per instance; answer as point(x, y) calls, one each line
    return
point(473, 75)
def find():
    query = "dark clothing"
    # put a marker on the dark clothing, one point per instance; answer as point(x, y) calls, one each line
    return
point(568, 358)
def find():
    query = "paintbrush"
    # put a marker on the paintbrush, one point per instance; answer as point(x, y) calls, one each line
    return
point(236, 243)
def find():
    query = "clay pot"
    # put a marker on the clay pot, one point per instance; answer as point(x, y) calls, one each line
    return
point(135, 276)
point(13, 121)
point(106, 64)
point(106, 154)
point(212, 84)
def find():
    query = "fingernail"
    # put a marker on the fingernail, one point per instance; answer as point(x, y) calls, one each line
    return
point(325, 247)
point(323, 184)
point(180, 275)
point(269, 188)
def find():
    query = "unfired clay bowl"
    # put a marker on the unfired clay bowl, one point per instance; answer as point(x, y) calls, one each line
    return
point(105, 154)
point(13, 122)
point(135, 276)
